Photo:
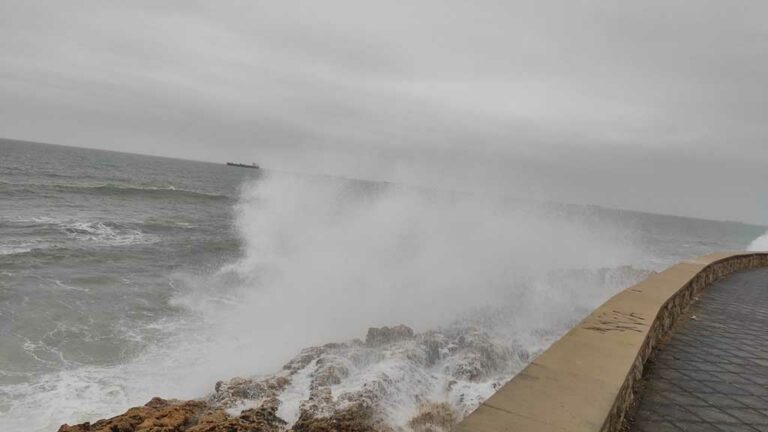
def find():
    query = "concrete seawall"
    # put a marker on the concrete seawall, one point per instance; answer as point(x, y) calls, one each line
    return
point(587, 380)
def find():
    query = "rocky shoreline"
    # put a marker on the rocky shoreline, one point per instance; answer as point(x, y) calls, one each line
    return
point(395, 380)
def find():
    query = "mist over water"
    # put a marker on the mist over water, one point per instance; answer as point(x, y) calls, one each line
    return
point(324, 260)
point(122, 296)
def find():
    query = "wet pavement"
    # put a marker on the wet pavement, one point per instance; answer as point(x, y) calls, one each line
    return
point(712, 375)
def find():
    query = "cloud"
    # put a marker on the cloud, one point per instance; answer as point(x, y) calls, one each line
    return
point(548, 99)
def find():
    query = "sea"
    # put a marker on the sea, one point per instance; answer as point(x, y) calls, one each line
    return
point(124, 276)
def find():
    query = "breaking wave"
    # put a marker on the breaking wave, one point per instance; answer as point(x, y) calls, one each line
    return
point(322, 261)
point(67, 233)
point(15, 249)
point(325, 260)
point(106, 233)
point(114, 189)
point(759, 244)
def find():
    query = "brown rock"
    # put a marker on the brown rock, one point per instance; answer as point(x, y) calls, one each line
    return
point(434, 417)
point(157, 415)
point(262, 419)
point(160, 415)
point(329, 372)
point(479, 357)
point(387, 335)
point(305, 357)
point(230, 393)
point(354, 418)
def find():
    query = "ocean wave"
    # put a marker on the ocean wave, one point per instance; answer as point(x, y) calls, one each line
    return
point(759, 244)
point(102, 233)
point(114, 189)
point(395, 372)
point(108, 234)
point(15, 249)
point(15, 246)
point(313, 251)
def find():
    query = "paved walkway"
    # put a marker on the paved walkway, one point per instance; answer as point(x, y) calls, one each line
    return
point(713, 373)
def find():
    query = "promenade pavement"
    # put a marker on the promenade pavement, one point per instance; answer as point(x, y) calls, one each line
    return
point(712, 375)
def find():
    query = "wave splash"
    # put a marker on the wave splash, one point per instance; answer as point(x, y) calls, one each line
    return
point(759, 244)
point(322, 261)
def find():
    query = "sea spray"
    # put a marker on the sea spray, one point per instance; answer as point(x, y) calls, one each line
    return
point(324, 259)
point(759, 244)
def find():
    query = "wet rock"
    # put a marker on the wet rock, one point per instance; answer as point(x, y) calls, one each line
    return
point(329, 372)
point(262, 419)
point(357, 417)
point(157, 415)
point(387, 335)
point(160, 415)
point(305, 357)
point(371, 394)
point(319, 404)
point(434, 345)
point(334, 345)
point(233, 392)
point(478, 357)
point(355, 386)
point(434, 417)
point(308, 355)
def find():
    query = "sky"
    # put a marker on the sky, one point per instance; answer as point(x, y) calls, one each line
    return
point(656, 106)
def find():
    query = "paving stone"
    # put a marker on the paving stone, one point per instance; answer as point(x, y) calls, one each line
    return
point(748, 415)
point(713, 415)
point(689, 399)
point(736, 428)
point(712, 375)
point(659, 426)
point(751, 401)
point(675, 412)
point(726, 401)
point(696, 427)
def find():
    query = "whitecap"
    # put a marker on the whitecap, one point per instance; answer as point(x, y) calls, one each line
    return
point(759, 244)
point(107, 234)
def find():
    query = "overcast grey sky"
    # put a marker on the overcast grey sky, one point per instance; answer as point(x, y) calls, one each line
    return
point(651, 105)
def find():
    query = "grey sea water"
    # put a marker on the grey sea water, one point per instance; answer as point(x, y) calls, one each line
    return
point(89, 243)
point(107, 259)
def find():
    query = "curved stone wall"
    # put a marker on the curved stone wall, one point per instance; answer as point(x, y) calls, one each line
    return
point(586, 380)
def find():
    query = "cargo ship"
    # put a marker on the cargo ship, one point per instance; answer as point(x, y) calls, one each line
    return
point(234, 164)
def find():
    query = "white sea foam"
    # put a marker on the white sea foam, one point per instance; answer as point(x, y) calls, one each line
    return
point(759, 244)
point(16, 249)
point(93, 232)
point(295, 393)
point(107, 234)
